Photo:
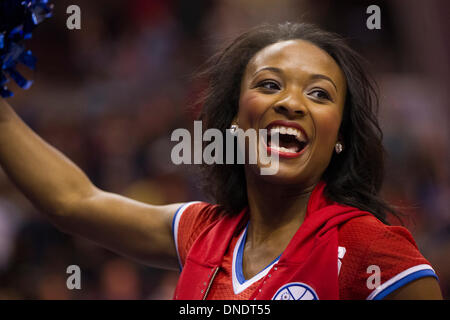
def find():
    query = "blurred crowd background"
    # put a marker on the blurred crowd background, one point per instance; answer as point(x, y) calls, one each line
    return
point(109, 95)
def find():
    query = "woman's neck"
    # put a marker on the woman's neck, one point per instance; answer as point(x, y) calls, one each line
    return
point(276, 211)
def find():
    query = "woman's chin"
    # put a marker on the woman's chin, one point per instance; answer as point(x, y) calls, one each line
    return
point(279, 174)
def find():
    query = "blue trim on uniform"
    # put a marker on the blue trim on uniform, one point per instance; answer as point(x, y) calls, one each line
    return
point(173, 233)
point(239, 257)
point(173, 220)
point(403, 281)
point(239, 270)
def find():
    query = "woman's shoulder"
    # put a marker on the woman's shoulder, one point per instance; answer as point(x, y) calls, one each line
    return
point(199, 212)
point(376, 258)
point(190, 220)
point(194, 216)
point(367, 229)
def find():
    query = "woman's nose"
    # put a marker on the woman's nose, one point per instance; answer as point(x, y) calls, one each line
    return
point(291, 107)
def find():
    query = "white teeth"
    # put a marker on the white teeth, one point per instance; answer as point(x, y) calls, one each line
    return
point(282, 149)
point(289, 130)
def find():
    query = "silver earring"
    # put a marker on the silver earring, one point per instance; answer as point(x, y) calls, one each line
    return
point(338, 147)
point(233, 128)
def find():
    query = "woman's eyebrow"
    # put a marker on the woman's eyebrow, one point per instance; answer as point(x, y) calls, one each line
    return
point(322, 76)
point(273, 69)
point(312, 77)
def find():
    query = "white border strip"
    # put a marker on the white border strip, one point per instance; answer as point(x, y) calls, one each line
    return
point(175, 224)
point(398, 277)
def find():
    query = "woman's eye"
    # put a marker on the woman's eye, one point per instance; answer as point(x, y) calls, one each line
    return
point(270, 85)
point(320, 94)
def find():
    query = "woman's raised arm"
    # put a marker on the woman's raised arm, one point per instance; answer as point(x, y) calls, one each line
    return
point(65, 195)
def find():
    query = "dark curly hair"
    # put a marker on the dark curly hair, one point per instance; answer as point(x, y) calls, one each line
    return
point(355, 176)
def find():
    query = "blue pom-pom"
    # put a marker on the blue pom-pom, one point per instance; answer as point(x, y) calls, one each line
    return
point(28, 59)
point(3, 80)
point(5, 93)
point(18, 18)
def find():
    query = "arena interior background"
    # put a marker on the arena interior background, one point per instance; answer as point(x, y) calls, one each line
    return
point(109, 96)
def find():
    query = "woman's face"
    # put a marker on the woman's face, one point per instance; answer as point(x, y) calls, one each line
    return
point(295, 88)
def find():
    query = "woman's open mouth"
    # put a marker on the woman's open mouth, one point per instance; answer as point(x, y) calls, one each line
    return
point(292, 140)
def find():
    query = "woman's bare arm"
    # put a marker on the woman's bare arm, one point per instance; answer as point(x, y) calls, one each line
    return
point(61, 191)
point(421, 289)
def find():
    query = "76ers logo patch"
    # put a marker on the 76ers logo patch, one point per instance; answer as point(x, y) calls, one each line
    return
point(295, 291)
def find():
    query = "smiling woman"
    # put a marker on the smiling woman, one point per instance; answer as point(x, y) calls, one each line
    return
point(310, 87)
